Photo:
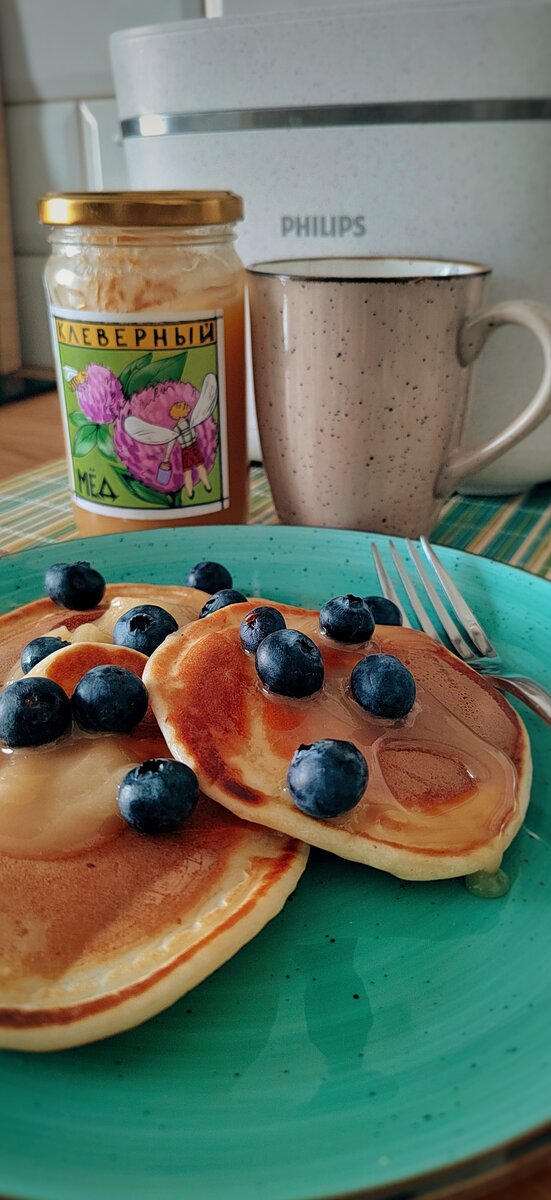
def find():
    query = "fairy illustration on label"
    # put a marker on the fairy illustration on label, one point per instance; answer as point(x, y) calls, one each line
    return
point(161, 429)
point(184, 434)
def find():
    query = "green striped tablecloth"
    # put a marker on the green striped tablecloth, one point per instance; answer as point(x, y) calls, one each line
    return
point(35, 511)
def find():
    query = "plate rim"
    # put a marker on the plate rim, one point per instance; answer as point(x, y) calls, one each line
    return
point(533, 1148)
point(469, 1172)
point(300, 530)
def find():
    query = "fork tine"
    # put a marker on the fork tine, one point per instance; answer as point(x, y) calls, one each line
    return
point(477, 634)
point(414, 599)
point(387, 586)
point(454, 634)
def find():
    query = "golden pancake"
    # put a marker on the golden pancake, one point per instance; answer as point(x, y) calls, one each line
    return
point(102, 927)
point(448, 785)
point(42, 617)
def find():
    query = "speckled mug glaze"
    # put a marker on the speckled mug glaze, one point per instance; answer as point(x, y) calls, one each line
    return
point(361, 375)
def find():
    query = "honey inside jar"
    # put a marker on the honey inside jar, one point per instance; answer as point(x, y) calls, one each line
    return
point(146, 297)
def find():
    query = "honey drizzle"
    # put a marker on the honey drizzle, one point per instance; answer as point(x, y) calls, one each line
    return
point(473, 792)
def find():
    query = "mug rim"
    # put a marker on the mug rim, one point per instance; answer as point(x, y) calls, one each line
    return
point(464, 269)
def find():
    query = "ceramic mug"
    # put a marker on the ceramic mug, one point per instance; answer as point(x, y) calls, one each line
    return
point(361, 377)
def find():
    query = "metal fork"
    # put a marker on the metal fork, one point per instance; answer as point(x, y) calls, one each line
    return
point(484, 657)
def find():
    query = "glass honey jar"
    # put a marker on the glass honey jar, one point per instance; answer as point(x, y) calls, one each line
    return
point(146, 298)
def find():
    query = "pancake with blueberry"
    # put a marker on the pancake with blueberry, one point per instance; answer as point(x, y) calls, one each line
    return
point(121, 886)
point(81, 607)
point(368, 740)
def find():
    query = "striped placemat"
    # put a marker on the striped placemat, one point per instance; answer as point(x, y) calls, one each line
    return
point(35, 511)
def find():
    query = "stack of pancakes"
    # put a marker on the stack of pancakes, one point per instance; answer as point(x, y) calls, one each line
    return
point(102, 927)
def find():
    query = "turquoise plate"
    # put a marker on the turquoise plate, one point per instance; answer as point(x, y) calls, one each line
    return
point(378, 1038)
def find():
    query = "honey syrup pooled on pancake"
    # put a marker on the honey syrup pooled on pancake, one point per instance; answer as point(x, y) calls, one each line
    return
point(60, 799)
point(101, 629)
point(44, 618)
point(448, 784)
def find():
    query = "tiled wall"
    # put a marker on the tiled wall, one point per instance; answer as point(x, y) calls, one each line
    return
point(54, 63)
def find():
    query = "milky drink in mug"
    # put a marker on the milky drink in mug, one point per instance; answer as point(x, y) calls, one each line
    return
point(361, 375)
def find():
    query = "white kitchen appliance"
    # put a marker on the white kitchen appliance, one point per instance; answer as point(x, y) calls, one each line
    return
point(403, 127)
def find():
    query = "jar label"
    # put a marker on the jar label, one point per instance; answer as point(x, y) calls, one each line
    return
point(144, 408)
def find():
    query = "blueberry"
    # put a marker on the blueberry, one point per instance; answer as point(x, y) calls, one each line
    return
point(257, 624)
point(383, 686)
point(143, 628)
point(289, 663)
point(385, 612)
point(33, 712)
point(222, 599)
point(347, 619)
point(209, 577)
point(109, 700)
point(327, 778)
point(74, 585)
point(158, 796)
point(38, 649)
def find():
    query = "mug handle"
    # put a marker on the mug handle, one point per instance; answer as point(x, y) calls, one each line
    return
point(472, 338)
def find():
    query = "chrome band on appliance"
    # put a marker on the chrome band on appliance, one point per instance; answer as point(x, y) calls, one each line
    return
point(403, 112)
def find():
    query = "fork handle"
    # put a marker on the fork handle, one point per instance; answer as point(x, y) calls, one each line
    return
point(527, 690)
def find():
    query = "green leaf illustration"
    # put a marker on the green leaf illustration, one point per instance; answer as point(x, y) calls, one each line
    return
point(142, 492)
point(158, 372)
point(79, 419)
point(85, 439)
point(105, 442)
point(130, 369)
point(145, 493)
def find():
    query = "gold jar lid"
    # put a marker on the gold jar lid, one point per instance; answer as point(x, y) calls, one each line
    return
point(139, 209)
